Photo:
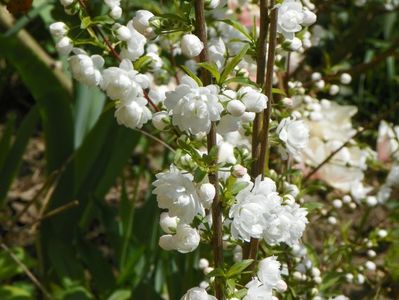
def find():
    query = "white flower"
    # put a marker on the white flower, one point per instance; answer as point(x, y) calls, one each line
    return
point(295, 44)
point(253, 100)
point(186, 238)
point(212, 4)
point(217, 52)
point(393, 176)
point(258, 291)
point(166, 242)
point(58, 29)
point(160, 120)
point(141, 22)
point(167, 223)
point(269, 272)
point(176, 192)
point(334, 89)
point(133, 114)
point(123, 83)
point(207, 193)
point(134, 47)
point(193, 108)
point(86, 69)
point(64, 46)
point(345, 78)
point(252, 205)
point(236, 108)
point(197, 293)
point(191, 45)
point(294, 133)
point(290, 18)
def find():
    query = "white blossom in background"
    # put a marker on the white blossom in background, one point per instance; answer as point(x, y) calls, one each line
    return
point(191, 45)
point(115, 7)
point(197, 293)
point(294, 133)
point(193, 108)
point(176, 192)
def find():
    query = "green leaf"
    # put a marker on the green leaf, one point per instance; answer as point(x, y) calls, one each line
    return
point(199, 175)
point(142, 62)
point(13, 159)
point(238, 186)
point(242, 81)
point(5, 142)
point(121, 295)
point(238, 267)
point(278, 91)
point(8, 267)
point(17, 291)
point(239, 27)
point(233, 63)
point(192, 75)
point(212, 68)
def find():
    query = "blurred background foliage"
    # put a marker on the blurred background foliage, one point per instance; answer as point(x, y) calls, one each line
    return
point(77, 213)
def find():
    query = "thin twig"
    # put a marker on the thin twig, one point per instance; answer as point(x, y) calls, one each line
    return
point(27, 271)
point(155, 139)
point(217, 226)
point(254, 244)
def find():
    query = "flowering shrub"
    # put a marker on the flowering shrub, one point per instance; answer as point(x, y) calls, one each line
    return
point(269, 183)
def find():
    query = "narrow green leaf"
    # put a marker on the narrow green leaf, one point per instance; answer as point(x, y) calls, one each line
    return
point(211, 67)
point(278, 91)
point(238, 267)
point(233, 63)
point(14, 157)
point(239, 27)
point(192, 75)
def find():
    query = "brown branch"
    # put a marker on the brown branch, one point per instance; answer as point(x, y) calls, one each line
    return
point(217, 227)
point(254, 244)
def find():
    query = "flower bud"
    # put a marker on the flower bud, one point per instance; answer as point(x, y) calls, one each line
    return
point(236, 108)
point(116, 12)
point(167, 223)
point(141, 22)
point(334, 90)
point(203, 263)
point(211, 4)
point(309, 17)
point(207, 193)
point(345, 78)
point(247, 117)
point(58, 29)
point(123, 33)
point(316, 76)
point(64, 46)
point(360, 278)
point(295, 44)
point(349, 277)
point(66, 3)
point(332, 220)
point(186, 239)
point(382, 233)
point(370, 265)
point(160, 120)
point(166, 242)
point(371, 253)
point(371, 201)
point(239, 171)
point(191, 45)
point(337, 203)
point(253, 100)
point(281, 286)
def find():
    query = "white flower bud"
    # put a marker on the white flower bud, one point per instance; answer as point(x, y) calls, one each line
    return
point(207, 193)
point(297, 275)
point(349, 277)
point(141, 22)
point(288, 102)
point(371, 253)
point(371, 201)
point(236, 108)
point(159, 120)
point(211, 4)
point(347, 199)
point(317, 279)
point(352, 205)
point(320, 84)
point(132, 115)
point(208, 270)
point(197, 293)
point(166, 242)
point(123, 33)
point(345, 78)
point(382, 233)
point(239, 171)
point(253, 100)
point(116, 13)
point(58, 29)
point(203, 263)
point(315, 272)
point(337, 203)
point(281, 286)
point(204, 285)
point(334, 90)
point(309, 17)
point(360, 278)
point(191, 45)
point(332, 220)
point(370, 265)
point(316, 76)
point(247, 117)
point(167, 223)
point(295, 44)
point(64, 46)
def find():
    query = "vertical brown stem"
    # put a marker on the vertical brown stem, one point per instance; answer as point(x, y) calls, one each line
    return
point(264, 135)
point(217, 243)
